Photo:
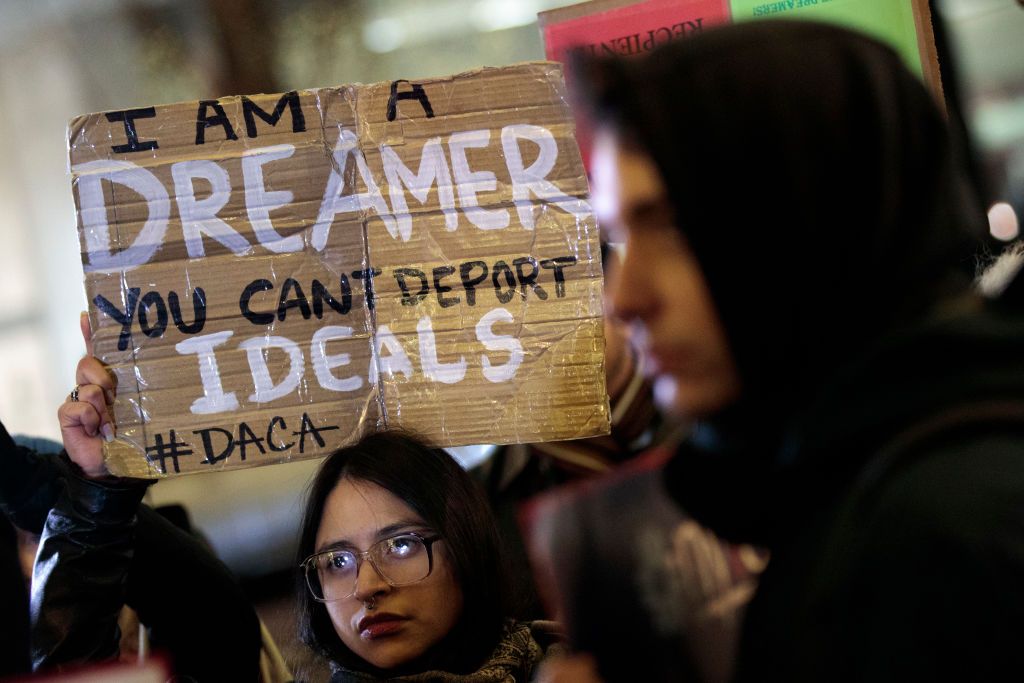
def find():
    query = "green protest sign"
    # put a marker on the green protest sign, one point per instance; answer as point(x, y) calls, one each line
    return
point(898, 23)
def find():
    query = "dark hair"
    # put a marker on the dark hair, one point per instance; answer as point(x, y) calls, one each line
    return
point(430, 482)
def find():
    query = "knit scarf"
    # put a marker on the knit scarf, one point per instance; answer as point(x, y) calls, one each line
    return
point(513, 661)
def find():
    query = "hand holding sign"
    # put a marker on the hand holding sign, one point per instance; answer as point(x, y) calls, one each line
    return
point(85, 418)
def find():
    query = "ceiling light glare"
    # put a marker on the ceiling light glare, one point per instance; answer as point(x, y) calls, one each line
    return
point(383, 35)
point(497, 15)
point(1002, 222)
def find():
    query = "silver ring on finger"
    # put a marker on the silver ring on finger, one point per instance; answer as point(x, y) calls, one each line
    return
point(74, 394)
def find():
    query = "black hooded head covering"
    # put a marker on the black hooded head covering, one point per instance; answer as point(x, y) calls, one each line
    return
point(818, 186)
point(814, 179)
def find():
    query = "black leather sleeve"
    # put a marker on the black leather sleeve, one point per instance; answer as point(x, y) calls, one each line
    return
point(101, 550)
point(81, 570)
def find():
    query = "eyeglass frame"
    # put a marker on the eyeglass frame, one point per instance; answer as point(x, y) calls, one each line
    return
point(361, 555)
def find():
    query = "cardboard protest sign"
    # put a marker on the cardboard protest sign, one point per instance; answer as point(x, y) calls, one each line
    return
point(626, 27)
point(271, 277)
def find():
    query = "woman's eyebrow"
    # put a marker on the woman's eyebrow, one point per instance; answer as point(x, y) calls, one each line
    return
point(338, 544)
point(382, 533)
point(399, 526)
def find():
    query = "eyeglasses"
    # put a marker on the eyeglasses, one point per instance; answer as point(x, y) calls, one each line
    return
point(400, 560)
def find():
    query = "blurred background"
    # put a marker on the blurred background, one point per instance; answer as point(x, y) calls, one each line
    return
point(61, 58)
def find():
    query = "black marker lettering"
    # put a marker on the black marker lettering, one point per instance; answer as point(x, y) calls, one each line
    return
point(367, 277)
point(529, 278)
point(208, 445)
point(469, 283)
point(309, 428)
point(416, 93)
point(128, 118)
point(153, 299)
point(173, 450)
point(298, 301)
point(245, 437)
point(510, 280)
point(321, 295)
point(124, 318)
point(198, 309)
point(439, 273)
point(289, 99)
point(270, 434)
point(221, 119)
point(558, 264)
point(243, 302)
point(409, 299)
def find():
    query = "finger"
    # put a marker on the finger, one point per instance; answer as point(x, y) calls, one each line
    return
point(97, 398)
point(86, 326)
point(92, 371)
point(81, 416)
point(78, 429)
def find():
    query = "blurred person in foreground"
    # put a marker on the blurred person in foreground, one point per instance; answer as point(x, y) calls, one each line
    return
point(800, 229)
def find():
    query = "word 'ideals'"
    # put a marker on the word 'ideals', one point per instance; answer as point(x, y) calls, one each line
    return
point(388, 357)
point(443, 165)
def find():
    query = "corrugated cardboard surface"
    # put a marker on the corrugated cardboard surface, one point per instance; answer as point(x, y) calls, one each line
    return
point(556, 392)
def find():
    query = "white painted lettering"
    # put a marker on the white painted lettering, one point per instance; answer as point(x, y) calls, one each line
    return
point(396, 361)
point(323, 362)
point(199, 217)
point(433, 168)
point(259, 202)
point(447, 373)
point(334, 202)
point(265, 389)
point(469, 182)
point(534, 179)
point(499, 342)
point(93, 211)
point(214, 399)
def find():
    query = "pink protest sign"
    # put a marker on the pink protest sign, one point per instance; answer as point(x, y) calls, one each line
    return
point(614, 27)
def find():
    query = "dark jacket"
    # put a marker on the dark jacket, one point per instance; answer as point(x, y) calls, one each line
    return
point(28, 488)
point(13, 605)
point(894, 512)
point(100, 550)
point(836, 223)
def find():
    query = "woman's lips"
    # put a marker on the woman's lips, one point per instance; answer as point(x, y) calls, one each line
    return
point(380, 625)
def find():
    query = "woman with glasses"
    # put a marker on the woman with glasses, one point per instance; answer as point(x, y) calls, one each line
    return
point(402, 576)
point(403, 573)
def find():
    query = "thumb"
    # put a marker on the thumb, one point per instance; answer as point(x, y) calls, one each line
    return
point(86, 326)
